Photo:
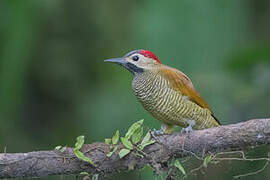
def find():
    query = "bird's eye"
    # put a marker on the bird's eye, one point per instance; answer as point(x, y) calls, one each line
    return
point(135, 58)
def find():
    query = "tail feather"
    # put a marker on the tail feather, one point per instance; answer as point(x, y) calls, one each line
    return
point(216, 119)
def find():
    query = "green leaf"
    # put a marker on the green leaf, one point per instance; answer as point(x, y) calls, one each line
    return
point(142, 146)
point(126, 143)
point(82, 157)
point(146, 141)
point(137, 135)
point(63, 149)
point(146, 138)
point(115, 138)
point(58, 148)
point(111, 153)
point(179, 167)
point(123, 152)
point(79, 143)
point(84, 173)
point(108, 141)
point(207, 159)
point(133, 128)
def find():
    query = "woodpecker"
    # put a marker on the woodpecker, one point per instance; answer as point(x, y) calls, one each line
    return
point(166, 93)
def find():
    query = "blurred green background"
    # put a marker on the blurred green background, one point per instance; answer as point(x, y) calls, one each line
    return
point(54, 85)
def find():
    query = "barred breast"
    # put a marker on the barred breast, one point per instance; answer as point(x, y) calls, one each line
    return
point(167, 105)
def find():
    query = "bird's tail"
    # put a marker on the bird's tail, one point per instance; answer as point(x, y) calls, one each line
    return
point(218, 122)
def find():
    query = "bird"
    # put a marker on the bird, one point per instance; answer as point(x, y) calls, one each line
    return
point(166, 93)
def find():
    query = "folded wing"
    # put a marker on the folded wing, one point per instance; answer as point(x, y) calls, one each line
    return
point(181, 83)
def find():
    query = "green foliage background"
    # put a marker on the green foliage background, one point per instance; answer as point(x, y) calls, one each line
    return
point(54, 85)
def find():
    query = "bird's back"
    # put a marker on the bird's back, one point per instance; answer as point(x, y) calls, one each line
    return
point(168, 105)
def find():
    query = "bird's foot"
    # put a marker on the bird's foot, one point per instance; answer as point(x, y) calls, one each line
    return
point(165, 129)
point(187, 130)
point(157, 132)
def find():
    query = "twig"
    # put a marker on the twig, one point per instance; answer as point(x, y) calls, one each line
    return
point(252, 173)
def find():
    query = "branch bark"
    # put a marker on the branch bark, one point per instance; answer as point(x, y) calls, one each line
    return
point(224, 138)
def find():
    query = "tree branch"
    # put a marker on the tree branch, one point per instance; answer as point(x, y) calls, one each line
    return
point(224, 138)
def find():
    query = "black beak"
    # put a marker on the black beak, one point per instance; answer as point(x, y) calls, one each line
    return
point(120, 61)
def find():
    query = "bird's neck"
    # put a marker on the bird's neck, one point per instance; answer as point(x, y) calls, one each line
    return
point(147, 80)
point(145, 76)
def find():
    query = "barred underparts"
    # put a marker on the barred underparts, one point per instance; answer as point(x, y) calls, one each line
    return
point(167, 105)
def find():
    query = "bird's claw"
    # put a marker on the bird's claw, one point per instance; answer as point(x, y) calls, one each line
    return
point(187, 130)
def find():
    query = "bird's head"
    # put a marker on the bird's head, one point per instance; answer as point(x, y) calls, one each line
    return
point(137, 61)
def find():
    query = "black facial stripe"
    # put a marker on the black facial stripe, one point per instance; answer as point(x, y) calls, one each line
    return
point(133, 68)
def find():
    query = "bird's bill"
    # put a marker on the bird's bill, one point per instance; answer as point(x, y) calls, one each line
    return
point(120, 61)
point(124, 63)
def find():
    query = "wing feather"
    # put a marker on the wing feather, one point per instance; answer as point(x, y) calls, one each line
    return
point(181, 83)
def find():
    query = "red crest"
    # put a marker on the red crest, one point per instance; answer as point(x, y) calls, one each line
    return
point(149, 54)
